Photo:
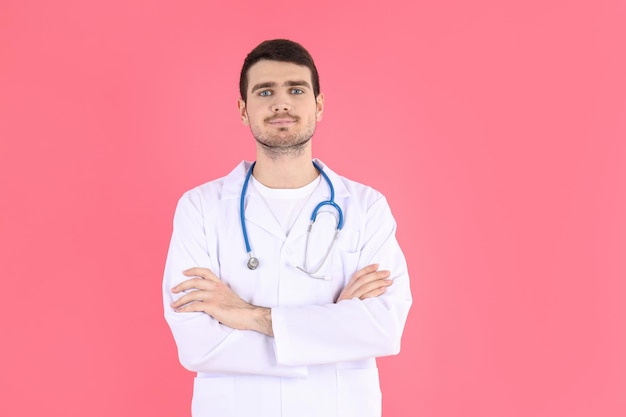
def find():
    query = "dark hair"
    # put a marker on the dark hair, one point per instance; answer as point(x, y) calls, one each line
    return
point(282, 50)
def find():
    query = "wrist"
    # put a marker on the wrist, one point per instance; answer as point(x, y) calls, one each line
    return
point(262, 321)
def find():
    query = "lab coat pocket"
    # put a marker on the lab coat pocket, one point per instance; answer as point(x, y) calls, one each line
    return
point(359, 393)
point(213, 397)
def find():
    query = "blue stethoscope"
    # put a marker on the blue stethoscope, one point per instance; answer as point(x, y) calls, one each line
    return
point(253, 262)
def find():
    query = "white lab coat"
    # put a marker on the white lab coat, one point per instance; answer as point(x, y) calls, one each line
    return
point(320, 362)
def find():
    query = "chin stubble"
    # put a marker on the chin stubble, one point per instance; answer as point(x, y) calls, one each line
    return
point(277, 151)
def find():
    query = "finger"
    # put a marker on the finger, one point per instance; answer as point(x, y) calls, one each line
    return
point(201, 272)
point(196, 296)
point(365, 270)
point(375, 276)
point(193, 283)
point(357, 283)
point(370, 277)
point(374, 293)
point(372, 286)
point(361, 273)
point(196, 306)
point(191, 297)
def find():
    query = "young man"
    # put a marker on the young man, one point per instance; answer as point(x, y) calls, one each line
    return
point(279, 317)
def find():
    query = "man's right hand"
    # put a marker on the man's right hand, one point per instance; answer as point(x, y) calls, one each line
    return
point(367, 282)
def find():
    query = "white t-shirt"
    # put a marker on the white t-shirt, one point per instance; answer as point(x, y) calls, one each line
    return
point(285, 203)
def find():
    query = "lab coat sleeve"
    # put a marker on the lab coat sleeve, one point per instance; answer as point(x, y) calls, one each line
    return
point(205, 345)
point(351, 329)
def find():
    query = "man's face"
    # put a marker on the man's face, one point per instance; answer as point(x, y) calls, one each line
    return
point(281, 108)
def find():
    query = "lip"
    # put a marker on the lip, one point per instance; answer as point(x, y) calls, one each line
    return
point(282, 121)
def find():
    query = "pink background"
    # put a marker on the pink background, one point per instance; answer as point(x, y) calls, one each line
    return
point(496, 129)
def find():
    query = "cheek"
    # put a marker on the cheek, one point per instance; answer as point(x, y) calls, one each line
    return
point(251, 117)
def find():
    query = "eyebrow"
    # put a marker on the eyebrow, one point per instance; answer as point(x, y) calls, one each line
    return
point(297, 83)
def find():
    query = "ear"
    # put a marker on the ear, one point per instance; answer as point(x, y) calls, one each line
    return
point(319, 103)
point(243, 114)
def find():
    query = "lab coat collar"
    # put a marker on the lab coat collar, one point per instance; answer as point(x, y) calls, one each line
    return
point(261, 214)
point(233, 182)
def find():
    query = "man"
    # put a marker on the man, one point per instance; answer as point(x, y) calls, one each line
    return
point(277, 317)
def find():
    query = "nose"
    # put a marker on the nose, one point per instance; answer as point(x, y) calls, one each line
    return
point(281, 104)
point(281, 107)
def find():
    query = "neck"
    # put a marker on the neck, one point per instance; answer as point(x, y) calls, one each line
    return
point(285, 172)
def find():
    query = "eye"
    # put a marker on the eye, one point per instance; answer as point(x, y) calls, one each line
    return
point(297, 91)
point(265, 93)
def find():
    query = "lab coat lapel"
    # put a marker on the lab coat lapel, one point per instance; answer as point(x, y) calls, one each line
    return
point(256, 212)
point(259, 214)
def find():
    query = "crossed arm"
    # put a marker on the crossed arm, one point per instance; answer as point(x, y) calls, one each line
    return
point(234, 336)
point(212, 296)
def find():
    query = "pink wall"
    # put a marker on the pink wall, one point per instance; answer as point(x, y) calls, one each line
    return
point(496, 129)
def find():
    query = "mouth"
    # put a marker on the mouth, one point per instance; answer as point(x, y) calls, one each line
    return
point(281, 121)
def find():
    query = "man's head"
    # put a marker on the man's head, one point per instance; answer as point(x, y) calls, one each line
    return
point(280, 98)
point(281, 50)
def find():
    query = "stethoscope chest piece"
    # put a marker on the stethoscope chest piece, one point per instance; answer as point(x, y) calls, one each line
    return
point(253, 263)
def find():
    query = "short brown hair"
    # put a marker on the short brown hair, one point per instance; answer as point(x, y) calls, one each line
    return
point(282, 50)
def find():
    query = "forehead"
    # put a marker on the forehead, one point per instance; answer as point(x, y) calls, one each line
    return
point(278, 72)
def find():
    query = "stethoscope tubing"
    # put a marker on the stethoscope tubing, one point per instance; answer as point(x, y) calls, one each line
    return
point(330, 201)
point(242, 213)
point(253, 262)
